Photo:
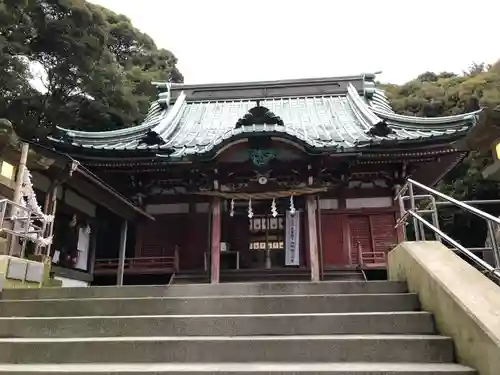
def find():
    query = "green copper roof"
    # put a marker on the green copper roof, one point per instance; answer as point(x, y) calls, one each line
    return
point(338, 114)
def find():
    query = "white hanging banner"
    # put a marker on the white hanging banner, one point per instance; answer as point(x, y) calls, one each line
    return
point(292, 239)
point(83, 248)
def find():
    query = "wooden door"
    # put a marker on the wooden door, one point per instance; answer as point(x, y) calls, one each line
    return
point(360, 236)
point(373, 234)
point(194, 241)
point(160, 237)
point(332, 240)
point(383, 236)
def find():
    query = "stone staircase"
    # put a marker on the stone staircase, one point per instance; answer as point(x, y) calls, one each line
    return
point(338, 328)
point(263, 275)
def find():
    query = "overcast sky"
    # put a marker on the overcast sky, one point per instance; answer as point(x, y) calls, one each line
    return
point(243, 40)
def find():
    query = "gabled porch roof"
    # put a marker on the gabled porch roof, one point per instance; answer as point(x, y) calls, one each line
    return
point(87, 184)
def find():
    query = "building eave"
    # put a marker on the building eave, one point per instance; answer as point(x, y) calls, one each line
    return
point(443, 121)
point(90, 186)
point(133, 210)
point(202, 119)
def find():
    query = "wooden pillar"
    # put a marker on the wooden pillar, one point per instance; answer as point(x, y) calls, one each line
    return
point(312, 235)
point(122, 254)
point(51, 209)
point(400, 231)
point(12, 240)
point(215, 241)
point(93, 248)
point(320, 239)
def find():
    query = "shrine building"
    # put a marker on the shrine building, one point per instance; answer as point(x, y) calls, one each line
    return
point(276, 177)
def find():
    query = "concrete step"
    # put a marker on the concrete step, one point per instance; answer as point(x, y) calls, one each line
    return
point(287, 275)
point(190, 278)
point(334, 276)
point(193, 290)
point(269, 304)
point(289, 349)
point(220, 325)
point(252, 276)
point(243, 369)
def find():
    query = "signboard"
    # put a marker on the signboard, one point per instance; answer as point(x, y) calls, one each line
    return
point(292, 239)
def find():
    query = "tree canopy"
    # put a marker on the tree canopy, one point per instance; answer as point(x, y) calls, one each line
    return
point(442, 94)
point(91, 67)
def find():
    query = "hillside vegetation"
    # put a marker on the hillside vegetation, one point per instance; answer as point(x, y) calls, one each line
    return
point(442, 94)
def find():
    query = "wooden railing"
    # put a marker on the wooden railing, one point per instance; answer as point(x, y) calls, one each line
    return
point(372, 258)
point(140, 263)
point(369, 258)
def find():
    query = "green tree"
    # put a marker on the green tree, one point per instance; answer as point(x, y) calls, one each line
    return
point(444, 94)
point(96, 68)
point(14, 69)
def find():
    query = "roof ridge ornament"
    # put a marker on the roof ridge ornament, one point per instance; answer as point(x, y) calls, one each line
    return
point(152, 139)
point(380, 129)
point(165, 95)
point(259, 115)
point(369, 83)
point(162, 84)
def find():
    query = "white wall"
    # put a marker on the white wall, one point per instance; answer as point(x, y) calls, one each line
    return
point(377, 202)
point(72, 199)
point(171, 208)
point(357, 203)
point(81, 204)
point(328, 204)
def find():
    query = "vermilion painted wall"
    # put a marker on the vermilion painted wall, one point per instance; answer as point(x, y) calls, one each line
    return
point(341, 232)
point(332, 240)
point(189, 231)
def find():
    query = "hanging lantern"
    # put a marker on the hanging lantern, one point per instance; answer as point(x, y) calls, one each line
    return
point(274, 211)
point(292, 206)
point(250, 212)
point(231, 212)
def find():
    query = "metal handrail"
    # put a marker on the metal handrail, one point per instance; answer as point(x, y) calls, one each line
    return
point(454, 201)
point(27, 217)
point(479, 202)
point(419, 222)
point(491, 270)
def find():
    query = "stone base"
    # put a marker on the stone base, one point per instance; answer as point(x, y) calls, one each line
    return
point(16, 273)
point(465, 303)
